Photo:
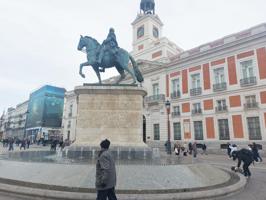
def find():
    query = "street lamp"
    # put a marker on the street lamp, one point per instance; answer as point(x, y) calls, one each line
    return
point(168, 143)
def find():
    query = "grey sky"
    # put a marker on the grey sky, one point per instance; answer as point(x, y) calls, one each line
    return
point(38, 38)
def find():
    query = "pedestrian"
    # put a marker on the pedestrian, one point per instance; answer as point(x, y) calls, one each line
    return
point(204, 149)
point(23, 144)
point(184, 149)
point(11, 144)
point(233, 148)
point(245, 156)
point(105, 173)
point(255, 152)
point(190, 148)
point(177, 148)
point(28, 143)
point(194, 149)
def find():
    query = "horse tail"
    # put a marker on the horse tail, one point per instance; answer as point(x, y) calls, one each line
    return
point(136, 69)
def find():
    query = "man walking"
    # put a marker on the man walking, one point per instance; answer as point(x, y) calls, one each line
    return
point(105, 173)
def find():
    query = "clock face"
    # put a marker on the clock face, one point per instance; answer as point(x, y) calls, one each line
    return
point(155, 32)
point(140, 31)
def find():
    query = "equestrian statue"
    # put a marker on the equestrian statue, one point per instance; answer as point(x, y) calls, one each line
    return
point(108, 55)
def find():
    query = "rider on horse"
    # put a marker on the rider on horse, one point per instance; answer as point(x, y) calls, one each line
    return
point(109, 44)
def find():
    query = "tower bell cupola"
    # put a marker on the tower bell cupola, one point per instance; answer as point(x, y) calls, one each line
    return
point(147, 6)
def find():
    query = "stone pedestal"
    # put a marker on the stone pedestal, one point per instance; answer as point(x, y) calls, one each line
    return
point(109, 112)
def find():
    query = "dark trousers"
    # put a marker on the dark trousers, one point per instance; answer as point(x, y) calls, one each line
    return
point(103, 194)
point(246, 169)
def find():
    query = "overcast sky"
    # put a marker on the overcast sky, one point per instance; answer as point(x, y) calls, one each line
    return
point(38, 38)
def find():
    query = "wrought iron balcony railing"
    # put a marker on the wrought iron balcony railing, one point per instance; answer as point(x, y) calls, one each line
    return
point(196, 111)
point(176, 114)
point(221, 109)
point(155, 98)
point(175, 94)
point(195, 91)
point(252, 105)
point(219, 87)
point(248, 81)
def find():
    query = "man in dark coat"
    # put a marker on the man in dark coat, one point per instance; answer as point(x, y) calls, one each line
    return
point(246, 156)
point(105, 173)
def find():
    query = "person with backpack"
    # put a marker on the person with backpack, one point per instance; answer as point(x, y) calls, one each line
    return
point(255, 151)
point(245, 156)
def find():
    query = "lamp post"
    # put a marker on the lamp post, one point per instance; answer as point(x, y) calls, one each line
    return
point(168, 143)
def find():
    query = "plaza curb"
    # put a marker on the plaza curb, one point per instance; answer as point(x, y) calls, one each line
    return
point(34, 192)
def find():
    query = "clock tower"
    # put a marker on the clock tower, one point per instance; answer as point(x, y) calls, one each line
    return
point(148, 43)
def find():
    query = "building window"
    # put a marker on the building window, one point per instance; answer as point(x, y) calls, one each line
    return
point(140, 31)
point(219, 75)
point(156, 131)
point(175, 88)
point(247, 69)
point(70, 110)
point(219, 80)
point(195, 81)
point(155, 32)
point(223, 129)
point(69, 124)
point(176, 111)
point(221, 105)
point(251, 102)
point(155, 89)
point(177, 131)
point(254, 128)
point(196, 108)
point(198, 130)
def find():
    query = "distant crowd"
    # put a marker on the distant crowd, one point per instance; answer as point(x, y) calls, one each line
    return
point(25, 143)
point(190, 148)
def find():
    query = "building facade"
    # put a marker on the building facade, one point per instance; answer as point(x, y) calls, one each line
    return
point(69, 116)
point(13, 121)
point(217, 91)
point(45, 112)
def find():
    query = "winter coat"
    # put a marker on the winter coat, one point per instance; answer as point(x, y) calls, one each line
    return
point(244, 155)
point(105, 171)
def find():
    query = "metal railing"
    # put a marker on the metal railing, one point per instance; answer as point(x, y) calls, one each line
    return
point(221, 109)
point(176, 114)
point(175, 94)
point(155, 98)
point(195, 91)
point(251, 105)
point(248, 81)
point(196, 111)
point(219, 87)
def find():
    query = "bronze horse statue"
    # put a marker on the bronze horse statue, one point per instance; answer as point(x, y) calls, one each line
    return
point(119, 60)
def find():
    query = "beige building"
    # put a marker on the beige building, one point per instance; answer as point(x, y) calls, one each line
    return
point(14, 121)
point(69, 116)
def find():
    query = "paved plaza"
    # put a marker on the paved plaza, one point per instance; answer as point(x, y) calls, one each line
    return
point(255, 189)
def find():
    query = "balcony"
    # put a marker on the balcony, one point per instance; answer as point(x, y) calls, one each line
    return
point(253, 105)
point(175, 94)
point(248, 81)
point(195, 91)
point(219, 87)
point(176, 114)
point(155, 98)
point(197, 111)
point(220, 109)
